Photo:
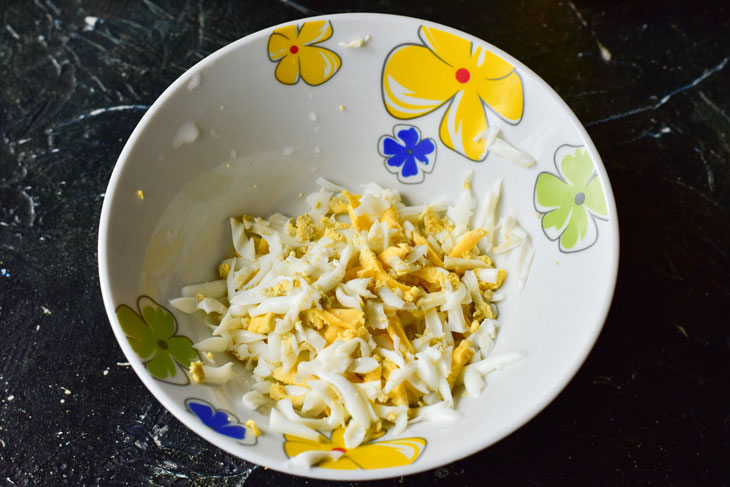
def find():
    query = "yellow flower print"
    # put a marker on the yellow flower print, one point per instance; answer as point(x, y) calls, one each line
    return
point(369, 455)
point(447, 69)
point(295, 51)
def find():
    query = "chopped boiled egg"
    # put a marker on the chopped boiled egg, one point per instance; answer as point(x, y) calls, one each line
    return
point(362, 313)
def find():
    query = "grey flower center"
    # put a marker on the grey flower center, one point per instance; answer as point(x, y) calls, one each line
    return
point(162, 344)
point(580, 198)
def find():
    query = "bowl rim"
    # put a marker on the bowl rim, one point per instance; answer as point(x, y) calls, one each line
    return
point(255, 457)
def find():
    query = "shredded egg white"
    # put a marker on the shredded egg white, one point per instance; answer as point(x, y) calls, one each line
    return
point(362, 313)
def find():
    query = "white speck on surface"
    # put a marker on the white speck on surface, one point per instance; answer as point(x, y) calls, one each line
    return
point(45, 310)
point(356, 42)
point(682, 330)
point(158, 431)
point(605, 53)
point(317, 150)
point(289, 150)
point(90, 22)
point(37, 327)
point(123, 364)
point(66, 391)
point(62, 401)
point(105, 372)
point(312, 116)
point(215, 134)
point(186, 134)
point(10, 397)
point(194, 81)
point(234, 154)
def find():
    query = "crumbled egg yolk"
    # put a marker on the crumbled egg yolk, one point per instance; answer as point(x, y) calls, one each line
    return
point(254, 427)
point(196, 371)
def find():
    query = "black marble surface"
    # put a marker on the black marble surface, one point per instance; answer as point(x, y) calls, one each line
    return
point(650, 81)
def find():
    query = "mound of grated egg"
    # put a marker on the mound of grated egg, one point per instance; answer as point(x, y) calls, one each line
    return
point(362, 313)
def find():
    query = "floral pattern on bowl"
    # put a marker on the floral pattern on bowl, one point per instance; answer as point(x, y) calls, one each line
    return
point(448, 70)
point(152, 332)
point(407, 155)
point(298, 56)
point(369, 455)
point(220, 421)
point(572, 200)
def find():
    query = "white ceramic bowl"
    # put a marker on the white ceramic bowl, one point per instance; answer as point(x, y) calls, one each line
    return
point(253, 125)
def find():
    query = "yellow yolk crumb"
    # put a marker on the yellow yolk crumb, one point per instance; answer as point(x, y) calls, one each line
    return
point(262, 324)
point(196, 371)
point(253, 426)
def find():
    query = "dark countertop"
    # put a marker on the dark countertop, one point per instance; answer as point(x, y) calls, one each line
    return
point(650, 81)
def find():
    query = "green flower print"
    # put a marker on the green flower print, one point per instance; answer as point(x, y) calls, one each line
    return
point(151, 333)
point(572, 200)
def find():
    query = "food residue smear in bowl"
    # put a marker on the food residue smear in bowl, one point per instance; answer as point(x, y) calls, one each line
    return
point(362, 313)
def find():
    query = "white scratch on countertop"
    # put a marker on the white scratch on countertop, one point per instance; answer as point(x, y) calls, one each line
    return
point(708, 170)
point(117, 108)
point(664, 99)
point(56, 10)
point(694, 82)
point(603, 50)
point(201, 23)
point(12, 32)
point(297, 6)
point(157, 9)
point(709, 102)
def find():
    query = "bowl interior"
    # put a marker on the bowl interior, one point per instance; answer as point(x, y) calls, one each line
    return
point(229, 138)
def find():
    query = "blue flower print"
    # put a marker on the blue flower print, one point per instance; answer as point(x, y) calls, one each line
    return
point(407, 155)
point(220, 421)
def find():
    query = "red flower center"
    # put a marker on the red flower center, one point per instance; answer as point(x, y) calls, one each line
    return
point(339, 449)
point(295, 49)
point(462, 75)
